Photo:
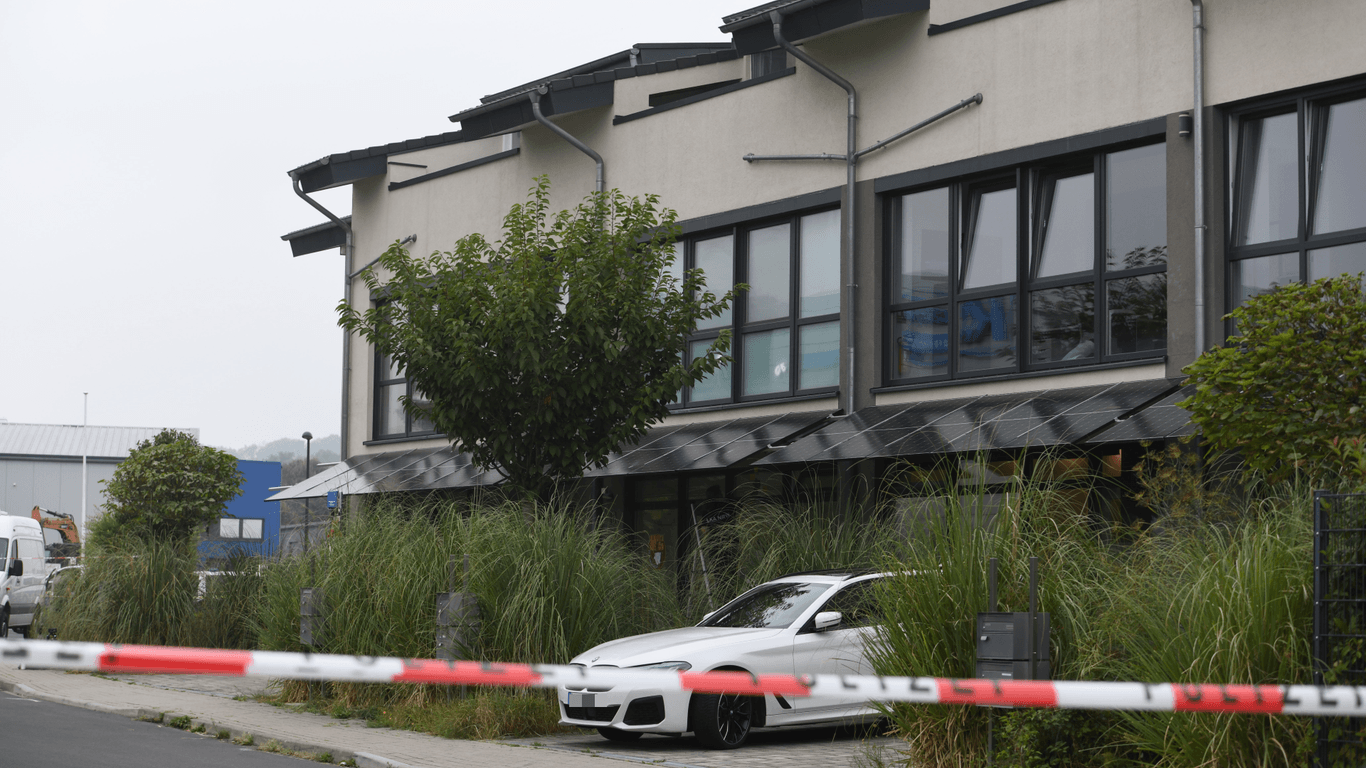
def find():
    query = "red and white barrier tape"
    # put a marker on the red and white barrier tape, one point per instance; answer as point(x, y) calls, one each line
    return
point(1341, 700)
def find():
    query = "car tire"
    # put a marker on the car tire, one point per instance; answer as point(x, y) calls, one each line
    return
point(614, 734)
point(721, 720)
point(22, 631)
point(4, 623)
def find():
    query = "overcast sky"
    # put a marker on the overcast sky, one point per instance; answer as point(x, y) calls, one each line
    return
point(144, 148)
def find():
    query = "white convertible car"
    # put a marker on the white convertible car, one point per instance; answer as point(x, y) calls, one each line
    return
point(802, 623)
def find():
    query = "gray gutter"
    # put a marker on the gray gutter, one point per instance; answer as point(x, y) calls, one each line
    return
point(1198, 13)
point(562, 133)
point(348, 251)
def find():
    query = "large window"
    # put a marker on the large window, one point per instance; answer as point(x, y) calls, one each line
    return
point(1298, 191)
point(391, 421)
point(786, 326)
point(1036, 267)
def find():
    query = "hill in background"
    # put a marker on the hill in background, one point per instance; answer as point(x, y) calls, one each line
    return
point(287, 448)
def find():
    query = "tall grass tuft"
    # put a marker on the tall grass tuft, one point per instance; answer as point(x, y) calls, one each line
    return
point(766, 540)
point(142, 592)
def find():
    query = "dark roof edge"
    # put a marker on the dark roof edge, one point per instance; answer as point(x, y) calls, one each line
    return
point(759, 14)
point(313, 230)
point(393, 148)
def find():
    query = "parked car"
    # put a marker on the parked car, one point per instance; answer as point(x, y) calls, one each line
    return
point(58, 582)
point(803, 623)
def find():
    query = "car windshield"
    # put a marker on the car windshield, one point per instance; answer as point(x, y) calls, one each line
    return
point(771, 606)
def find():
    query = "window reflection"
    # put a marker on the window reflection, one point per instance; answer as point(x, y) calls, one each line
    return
point(1342, 174)
point(924, 272)
point(1253, 277)
point(1068, 226)
point(1062, 324)
point(820, 264)
point(772, 606)
point(714, 258)
point(988, 334)
point(1269, 186)
point(920, 342)
point(715, 385)
point(1331, 262)
point(820, 355)
point(991, 244)
point(766, 363)
point(768, 277)
point(1137, 318)
point(1136, 208)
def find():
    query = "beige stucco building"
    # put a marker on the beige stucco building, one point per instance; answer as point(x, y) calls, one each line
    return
point(1027, 271)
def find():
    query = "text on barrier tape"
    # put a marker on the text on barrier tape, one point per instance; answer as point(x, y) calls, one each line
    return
point(1340, 700)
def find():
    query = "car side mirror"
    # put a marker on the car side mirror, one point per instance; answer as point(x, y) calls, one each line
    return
point(16, 568)
point(828, 620)
point(708, 615)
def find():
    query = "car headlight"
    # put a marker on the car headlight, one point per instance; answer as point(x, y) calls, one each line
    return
point(677, 666)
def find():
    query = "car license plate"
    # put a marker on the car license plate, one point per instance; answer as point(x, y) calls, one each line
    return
point(580, 699)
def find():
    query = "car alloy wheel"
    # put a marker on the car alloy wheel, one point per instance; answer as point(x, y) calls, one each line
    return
point(722, 721)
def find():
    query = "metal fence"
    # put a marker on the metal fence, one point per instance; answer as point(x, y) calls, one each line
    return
point(1340, 619)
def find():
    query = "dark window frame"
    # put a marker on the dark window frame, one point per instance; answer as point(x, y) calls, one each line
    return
point(740, 325)
point(1029, 180)
point(1310, 108)
point(377, 405)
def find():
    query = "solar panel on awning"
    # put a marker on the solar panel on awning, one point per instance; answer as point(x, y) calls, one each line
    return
point(1160, 421)
point(705, 446)
point(987, 422)
point(420, 469)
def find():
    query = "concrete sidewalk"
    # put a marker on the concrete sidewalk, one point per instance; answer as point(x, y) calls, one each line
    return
point(208, 700)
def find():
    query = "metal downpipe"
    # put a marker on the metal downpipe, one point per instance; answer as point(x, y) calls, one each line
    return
point(851, 205)
point(1198, 136)
point(348, 251)
point(562, 133)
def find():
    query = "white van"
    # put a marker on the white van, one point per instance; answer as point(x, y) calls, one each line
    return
point(21, 552)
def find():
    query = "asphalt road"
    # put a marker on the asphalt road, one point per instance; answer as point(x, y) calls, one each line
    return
point(40, 733)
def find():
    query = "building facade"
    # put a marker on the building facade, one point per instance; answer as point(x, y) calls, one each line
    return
point(1089, 187)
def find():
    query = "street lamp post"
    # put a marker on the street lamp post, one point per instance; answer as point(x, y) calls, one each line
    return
point(308, 472)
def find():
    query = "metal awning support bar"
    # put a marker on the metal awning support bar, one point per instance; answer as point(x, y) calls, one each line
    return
point(752, 157)
point(562, 133)
point(975, 99)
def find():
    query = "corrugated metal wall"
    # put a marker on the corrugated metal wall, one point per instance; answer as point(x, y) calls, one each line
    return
point(52, 484)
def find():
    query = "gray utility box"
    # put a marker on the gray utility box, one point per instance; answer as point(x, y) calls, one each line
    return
point(457, 625)
point(310, 615)
point(1003, 647)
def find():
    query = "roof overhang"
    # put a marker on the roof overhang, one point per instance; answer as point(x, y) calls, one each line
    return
point(752, 30)
point(346, 167)
point(320, 237)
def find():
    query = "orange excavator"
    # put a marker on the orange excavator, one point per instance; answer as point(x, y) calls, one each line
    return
point(65, 546)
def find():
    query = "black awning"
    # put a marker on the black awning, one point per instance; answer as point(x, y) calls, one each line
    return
point(707, 446)
point(988, 422)
point(1160, 421)
point(422, 469)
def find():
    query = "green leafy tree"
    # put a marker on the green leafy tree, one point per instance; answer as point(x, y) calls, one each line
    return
point(542, 353)
point(1287, 389)
point(168, 487)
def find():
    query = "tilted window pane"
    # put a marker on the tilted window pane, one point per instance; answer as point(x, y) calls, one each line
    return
point(1331, 262)
point(1062, 324)
point(988, 334)
point(392, 420)
point(716, 385)
point(229, 528)
point(1269, 179)
point(1069, 234)
point(766, 362)
point(389, 369)
point(920, 342)
point(675, 267)
point(1253, 277)
point(1341, 202)
point(252, 528)
point(716, 259)
point(1136, 313)
point(924, 269)
point(819, 351)
point(820, 264)
point(991, 250)
point(769, 267)
point(1136, 208)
